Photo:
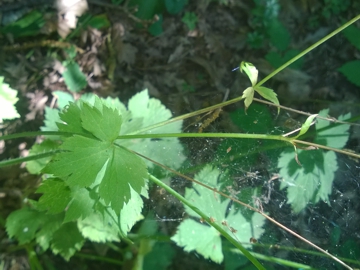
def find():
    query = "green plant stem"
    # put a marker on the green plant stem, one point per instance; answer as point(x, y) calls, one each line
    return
point(292, 60)
point(281, 261)
point(98, 258)
point(37, 133)
point(208, 135)
point(14, 161)
point(245, 252)
point(33, 259)
point(237, 136)
point(188, 115)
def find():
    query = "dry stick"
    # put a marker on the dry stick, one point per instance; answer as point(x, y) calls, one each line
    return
point(247, 206)
point(305, 113)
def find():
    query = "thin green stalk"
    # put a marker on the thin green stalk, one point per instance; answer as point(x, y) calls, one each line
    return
point(208, 135)
point(292, 60)
point(33, 259)
point(238, 136)
point(282, 262)
point(14, 161)
point(98, 258)
point(245, 252)
point(188, 115)
point(38, 133)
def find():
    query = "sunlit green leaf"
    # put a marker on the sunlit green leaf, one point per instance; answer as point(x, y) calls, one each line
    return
point(24, 223)
point(268, 94)
point(74, 79)
point(313, 181)
point(251, 71)
point(205, 239)
point(7, 100)
point(67, 240)
point(248, 95)
point(310, 182)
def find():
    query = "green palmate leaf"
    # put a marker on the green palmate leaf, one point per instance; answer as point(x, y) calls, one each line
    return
point(204, 239)
point(67, 240)
point(305, 127)
point(248, 95)
point(268, 94)
point(7, 100)
point(84, 157)
point(74, 79)
point(351, 71)
point(104, 123)
point(251, 71)
point(312, 181)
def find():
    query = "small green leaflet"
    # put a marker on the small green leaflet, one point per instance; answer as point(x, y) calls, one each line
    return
point(26, 224)
point(312, 181)
point(74, 79)
point(204, 239)
point(248, 93)
point(305, 127)
point(67, 240)
point(93, 150)
point(251, 71)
